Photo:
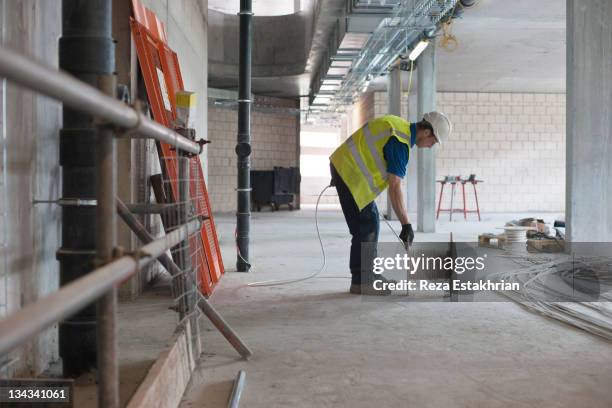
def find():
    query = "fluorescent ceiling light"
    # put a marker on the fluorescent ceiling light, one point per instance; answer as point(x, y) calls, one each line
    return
point(391, 22)
point(332, 82)
point(329, 87)
point(420, 47)
point(365, 86)
point(338, 71)
point(341, 64)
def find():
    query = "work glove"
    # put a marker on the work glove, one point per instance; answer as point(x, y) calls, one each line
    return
point(407, 234)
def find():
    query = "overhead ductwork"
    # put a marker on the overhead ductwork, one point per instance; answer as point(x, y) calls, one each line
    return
point(357, 57)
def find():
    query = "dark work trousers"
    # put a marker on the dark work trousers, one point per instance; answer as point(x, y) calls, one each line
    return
point(363, 225)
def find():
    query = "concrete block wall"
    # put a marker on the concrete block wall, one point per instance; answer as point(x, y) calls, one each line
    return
point(381, 104)
point(361, 112)
point(274, 142)
point(515, 142)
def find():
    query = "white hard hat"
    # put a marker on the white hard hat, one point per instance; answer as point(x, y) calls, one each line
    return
point(442, 126)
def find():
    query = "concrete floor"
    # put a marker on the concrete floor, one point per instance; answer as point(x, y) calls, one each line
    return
point(315, 345)
point(145, 326)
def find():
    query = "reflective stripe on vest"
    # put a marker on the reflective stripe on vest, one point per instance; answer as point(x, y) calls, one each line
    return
point(360, 160)
point(370, 140)
point(362, 166)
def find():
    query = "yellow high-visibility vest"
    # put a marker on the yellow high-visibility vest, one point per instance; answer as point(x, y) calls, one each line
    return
point(360, 160)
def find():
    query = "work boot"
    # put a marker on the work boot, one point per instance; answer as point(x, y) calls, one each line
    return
point(368, 288)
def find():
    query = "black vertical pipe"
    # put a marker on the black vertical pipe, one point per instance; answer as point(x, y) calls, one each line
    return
point(87, 51)
point(243, 148)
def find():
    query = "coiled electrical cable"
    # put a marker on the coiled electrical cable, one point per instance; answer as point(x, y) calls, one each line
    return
point(277, 282)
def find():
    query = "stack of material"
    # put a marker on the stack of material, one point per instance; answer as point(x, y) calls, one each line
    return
point(530, 233)
point(516, 237)
point(516, 234)
point(491, 240)
point(537, 243)
point(534, 224)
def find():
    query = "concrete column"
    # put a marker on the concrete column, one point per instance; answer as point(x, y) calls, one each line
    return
point(426, 174)
point(589, 121)
point(411, 174)
point(394, 103)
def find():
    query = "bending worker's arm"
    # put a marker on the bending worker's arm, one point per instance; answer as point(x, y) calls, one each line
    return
point(396, 155)
point(397, 199)
point(397, 202)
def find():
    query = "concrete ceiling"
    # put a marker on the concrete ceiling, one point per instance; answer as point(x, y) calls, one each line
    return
point(505, 46)
point(286, 49)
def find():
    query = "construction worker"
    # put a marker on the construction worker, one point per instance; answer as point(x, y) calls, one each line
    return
point(370, 160)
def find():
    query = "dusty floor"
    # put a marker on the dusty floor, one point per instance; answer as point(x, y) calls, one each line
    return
point(315, 345)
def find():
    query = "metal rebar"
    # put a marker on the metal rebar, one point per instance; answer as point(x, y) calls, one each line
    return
point(85, 98)
point(237, 388)
point(190, 276)
point(184, 260)
point(215, 318)
point(106, 240)
point(243, 147)
point(18, 327)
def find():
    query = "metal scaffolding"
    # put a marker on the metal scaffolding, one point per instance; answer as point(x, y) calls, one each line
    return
point(394, 36)
point(4, 268)
point(87, 99)
point(111, 119)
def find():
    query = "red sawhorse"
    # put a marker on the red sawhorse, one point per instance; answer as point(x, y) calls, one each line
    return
point(453, 180)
